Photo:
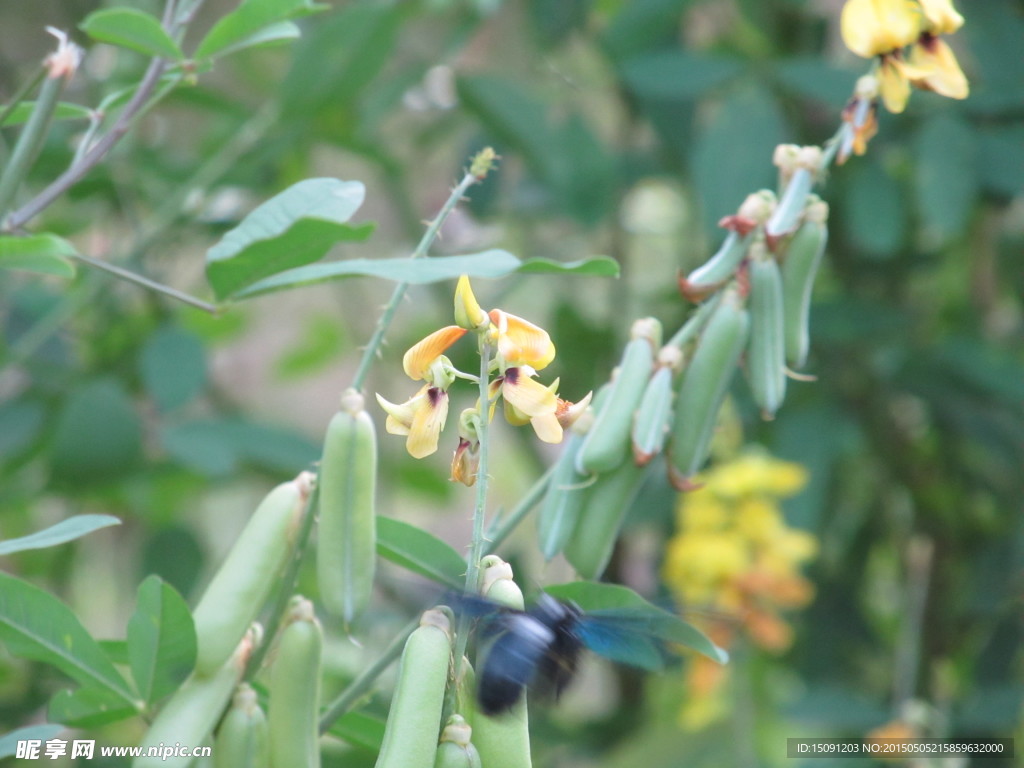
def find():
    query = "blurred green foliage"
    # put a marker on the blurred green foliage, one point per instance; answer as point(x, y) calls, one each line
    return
point(628, 128)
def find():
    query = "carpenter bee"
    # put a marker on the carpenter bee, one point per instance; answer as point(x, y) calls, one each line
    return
point(540, 647)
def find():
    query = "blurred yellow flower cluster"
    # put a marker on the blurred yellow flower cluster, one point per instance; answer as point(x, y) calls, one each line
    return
point(736, 562)
point(885, 28)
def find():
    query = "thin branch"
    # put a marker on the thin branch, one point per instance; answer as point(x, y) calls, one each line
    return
point(145, 282)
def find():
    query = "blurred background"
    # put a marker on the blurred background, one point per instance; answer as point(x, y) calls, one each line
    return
point(626, 128)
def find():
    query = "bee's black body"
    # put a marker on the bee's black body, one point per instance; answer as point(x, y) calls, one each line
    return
point(538, 648)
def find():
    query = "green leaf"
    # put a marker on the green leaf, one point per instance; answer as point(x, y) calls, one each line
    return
point(173, 367)
point(64, 111)
point(9, 741)
point(116, 651)
point(595, 266)
point(812, 78)
point(643, 25)
point(36, 625)
point(420, 552)
point(66, 530)
point(251, 23)
point(677, 75)
point(732, 153)
point(624, 603)
point(98, 435)
point(293, 228)
point(161, 640)
point(44, 254)
point(133, 29)
point(1001, 161)
point(874, 213)
point(945, 177)
point(323, 339)
point(487, 264)
point(216, 446)
point(21, 422)
point(88, 708)
point(275, 34)
point(360, 730)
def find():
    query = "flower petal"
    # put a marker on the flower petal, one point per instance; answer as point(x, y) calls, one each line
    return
point(528, 396)
point(417, 360)
point(520, 342)
point(942, 17)
point(399, 415)
point(937, 69)
point(427, 423)
point(873, 27)
point(468, 313)
point(547, 428)
point(893, 85)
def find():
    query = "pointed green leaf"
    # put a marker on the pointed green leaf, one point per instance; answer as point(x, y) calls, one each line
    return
point(172, 365)
point(677, 75)
point(252, 19)
point(291, 229)
point(161, 640)
point(44, 254)
point(36, 625)
point(487, 264)
point(64, 111)
point(66, 530)
point(275, 34)
point(133, 29)
point(633, 610)
point(9, 741)
point(88, 708)
point(420, 552)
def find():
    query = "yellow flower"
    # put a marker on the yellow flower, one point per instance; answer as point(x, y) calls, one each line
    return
point(529, 400)
point(421, 418)
point(521, 342)
point(466, 462)
point(941, 17)
point(938, 68)
point(758, 520)
point(876, 27)
point(468, 313)
point(753, 473)
point(423, 354)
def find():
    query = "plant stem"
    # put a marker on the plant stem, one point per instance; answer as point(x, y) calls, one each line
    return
point(364, 682)
point(27, 87)
point(384, 322)
point(502, 528)
point(145, 282)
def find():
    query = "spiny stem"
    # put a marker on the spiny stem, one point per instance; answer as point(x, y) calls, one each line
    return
point(384, 322)
point(145, 282)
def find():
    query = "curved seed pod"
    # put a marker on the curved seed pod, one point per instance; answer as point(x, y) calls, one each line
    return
point(719, 268)
point(563, 500)
point(295, 690)
point(803, 256)
point(242, 737)
point(653, 417)
point(803, 165)
point(455, 749)
point(607, 503)
point(502, 741)
point(766, 351)
point(238, 590)
point(188, 717)
point(607, 442)
point(705, 383)
point(692, 327)
point(410, 736)
point(347, 538)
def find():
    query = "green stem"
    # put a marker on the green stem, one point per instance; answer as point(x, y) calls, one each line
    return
point(27, 87)
point(502, 528)
point(145, 282)
point(364, 682)
point(384, 322)
point(30, 140)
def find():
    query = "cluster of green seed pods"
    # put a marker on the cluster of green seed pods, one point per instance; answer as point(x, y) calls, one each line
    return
point(347, 536)
point(243, 737)
point(294, 706)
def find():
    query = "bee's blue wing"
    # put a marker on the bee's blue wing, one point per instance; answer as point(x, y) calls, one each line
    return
point(625, 639)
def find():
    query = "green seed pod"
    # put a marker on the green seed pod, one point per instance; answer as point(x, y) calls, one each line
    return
point(347, 539)
point(456, 750)
point(607, 442)
point(502, 741)
point(705, 384)
point(804, 166)
point(410, 736)
point(766, 351)
point(295, 690)
point(719, 268)
point(253, 567)
point(242, 738)
point(607, 503)
point(188, 717)
point(803, 256)
point(653, 418)
point(563, 500)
